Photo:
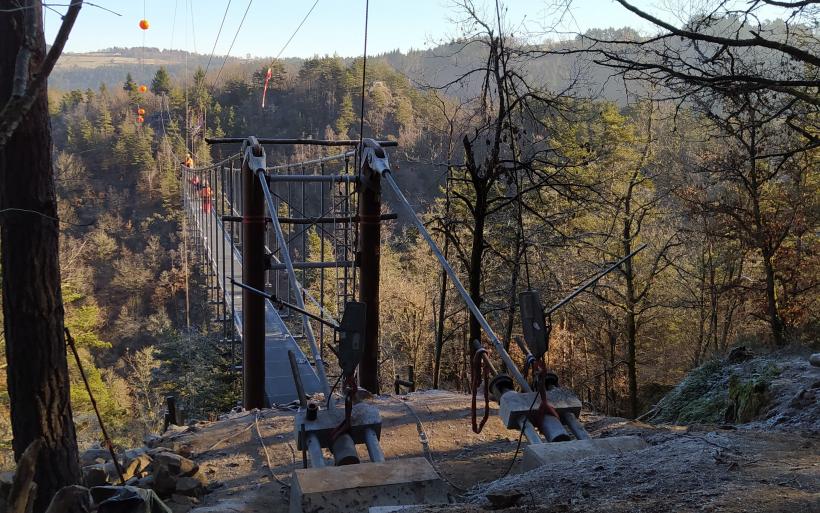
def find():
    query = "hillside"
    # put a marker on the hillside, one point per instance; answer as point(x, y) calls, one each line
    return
point(433, 67)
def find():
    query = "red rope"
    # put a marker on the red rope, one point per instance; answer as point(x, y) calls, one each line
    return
point(539, 370)
point(350, 389)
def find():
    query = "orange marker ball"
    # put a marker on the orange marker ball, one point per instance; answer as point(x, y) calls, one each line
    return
point(141, 112)
point(144, 24)
point(143, 88)
point(140, 119)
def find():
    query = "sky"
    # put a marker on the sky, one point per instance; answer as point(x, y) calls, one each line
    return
point(333, 27)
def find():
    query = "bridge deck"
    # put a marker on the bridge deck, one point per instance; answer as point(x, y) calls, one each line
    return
point(279, 386)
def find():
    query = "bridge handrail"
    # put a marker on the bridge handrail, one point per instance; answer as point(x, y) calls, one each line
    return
point(300, 302)
point(215, 165)
point(311, 162)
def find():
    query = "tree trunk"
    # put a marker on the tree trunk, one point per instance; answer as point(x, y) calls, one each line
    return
point(772, 308)
point(442, 305)
point(631, 326)
point(476, 257)
point(32, 300)
point(767, 249)
point(477, 248)
point(513, 304)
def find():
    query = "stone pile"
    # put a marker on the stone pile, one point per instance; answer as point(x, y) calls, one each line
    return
point(169, 472)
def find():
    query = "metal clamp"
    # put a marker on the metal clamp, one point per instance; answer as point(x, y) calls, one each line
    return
point(254, 154)
point(374, 156)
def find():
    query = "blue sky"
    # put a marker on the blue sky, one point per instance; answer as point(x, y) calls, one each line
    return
point(335, 26)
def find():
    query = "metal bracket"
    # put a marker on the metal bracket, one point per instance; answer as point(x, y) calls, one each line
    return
point(351, 336)
point(374, 157)
point(536, 330)
point(254, 155)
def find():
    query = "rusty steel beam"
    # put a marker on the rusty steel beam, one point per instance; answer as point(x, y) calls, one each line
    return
point(369, 256)
point(253, 274)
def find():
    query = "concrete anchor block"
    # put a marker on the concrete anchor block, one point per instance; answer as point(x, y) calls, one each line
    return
point(545, 454)
point(515, 405)
point(356, 488)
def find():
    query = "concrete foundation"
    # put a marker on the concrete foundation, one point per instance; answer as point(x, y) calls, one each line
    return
point(544, 454)
point(514, 406)
point(356, 488)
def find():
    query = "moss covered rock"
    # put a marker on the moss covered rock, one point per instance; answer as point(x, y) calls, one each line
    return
point(719, 391)
point(746, 399)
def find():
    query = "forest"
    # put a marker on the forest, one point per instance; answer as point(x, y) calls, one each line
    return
point(534, 165)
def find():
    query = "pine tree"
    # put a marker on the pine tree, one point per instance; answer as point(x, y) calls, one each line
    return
point(105, 125)
point(161, 84)
point(129, 86)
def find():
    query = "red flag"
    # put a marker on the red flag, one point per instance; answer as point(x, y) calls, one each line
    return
point(265, 89)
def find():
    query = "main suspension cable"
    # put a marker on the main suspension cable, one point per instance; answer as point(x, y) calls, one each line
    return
point(297, 30)
point(218, 33)
point(227, 55)
point(364, 73)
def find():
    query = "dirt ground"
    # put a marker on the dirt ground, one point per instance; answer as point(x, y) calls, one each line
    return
point(230, 453)
point(697, 468)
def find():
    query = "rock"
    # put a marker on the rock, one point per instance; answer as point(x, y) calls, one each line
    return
point(182, 503)
point(71, 499)
point(803, 399)
point(177, 465)
point(214, 485)
point(146, 482)
point(190, 486)
point(96, 475)
point(151, 440)
point(137, 466)
point(815, 359)
point(93, 455)
point(179, 508)
point(746, 399)
point(158, 449)
point(183, 449)
point(184, 499)
point(739, 354)
point(175, 430)
point(163, 483)
point(503, 500)
point(130, 454)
